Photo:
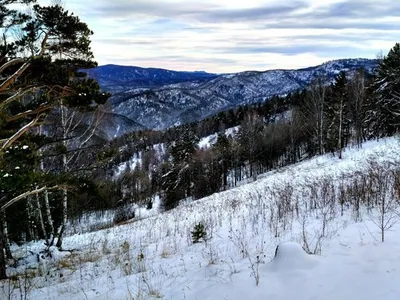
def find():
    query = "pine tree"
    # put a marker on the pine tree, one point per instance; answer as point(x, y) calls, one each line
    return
point(338, 114)
point(387, 93)
point(222, 151)
point(178, 175)
point(40, 69)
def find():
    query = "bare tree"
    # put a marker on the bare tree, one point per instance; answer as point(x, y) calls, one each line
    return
point(357, 86)
point(384, 194)
point(314, 112)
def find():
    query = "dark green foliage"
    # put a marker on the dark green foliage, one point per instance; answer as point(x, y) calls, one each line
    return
point(222, 150)
point(387, 94)
point(338, 114)
point(173, 191)
point(199, 233)
point(178, 174)
point(17, 171)
point(207, 175)
point(183, 148)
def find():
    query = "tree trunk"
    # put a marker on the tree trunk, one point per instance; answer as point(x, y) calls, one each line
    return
point(225, 176)
point(340, 146)
point(6, 243)
point(49, 220)
point(65, 169)
point(60, 236)
point(29, 212)
point(41, 221)
point(3, 273)
point(48, 213)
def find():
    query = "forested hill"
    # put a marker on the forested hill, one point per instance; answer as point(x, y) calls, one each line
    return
point(116, 78)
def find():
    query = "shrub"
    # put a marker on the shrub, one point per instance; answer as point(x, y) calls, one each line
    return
point(198, 233)
point(124, 213)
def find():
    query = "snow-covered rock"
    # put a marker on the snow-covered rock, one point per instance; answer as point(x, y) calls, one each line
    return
point(291, 256)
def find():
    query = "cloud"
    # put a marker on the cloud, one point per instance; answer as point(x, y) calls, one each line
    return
point(204, 11)
point(233, 35)
point(250, 14)
point(363, 9)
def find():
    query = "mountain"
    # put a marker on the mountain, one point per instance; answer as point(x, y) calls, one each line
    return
point(168, 105)
point(114, 78)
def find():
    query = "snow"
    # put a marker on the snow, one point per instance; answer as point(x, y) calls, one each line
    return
point(207, 141)
point(155, 258)
point(291, 256)
point(134, 162)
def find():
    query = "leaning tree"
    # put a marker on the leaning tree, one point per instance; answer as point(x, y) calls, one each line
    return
point(41, 55)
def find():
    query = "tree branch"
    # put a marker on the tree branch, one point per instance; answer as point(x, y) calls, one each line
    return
point(38, 110)
point(29, 193)
point(11, 63)
point(14, 77)
point(8, 142)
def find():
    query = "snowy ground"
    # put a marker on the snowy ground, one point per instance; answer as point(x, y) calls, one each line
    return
point(156, 258)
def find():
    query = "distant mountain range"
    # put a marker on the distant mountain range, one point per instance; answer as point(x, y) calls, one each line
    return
point(158, 99)
point(114, 78)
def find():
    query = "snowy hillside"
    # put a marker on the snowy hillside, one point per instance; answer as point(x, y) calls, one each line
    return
point(314, 205)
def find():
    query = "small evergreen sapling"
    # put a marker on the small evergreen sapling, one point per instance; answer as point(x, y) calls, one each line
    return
point(199, 233)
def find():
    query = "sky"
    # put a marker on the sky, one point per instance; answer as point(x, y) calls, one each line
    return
point(237, 35)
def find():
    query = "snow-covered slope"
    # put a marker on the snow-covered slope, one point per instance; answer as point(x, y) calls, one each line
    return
point(165, 106)
point(155, 257)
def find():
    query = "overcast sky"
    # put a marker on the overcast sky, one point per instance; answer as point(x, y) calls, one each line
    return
point(237, 35)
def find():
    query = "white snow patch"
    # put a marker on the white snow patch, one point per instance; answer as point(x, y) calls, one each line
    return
point(291, 256)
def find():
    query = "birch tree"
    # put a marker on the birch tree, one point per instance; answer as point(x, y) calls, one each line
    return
point(314, 112)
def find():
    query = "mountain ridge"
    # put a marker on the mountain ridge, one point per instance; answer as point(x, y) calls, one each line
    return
point(168, 105)
point(159, 106)
point(115, 78)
